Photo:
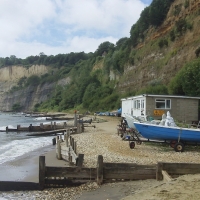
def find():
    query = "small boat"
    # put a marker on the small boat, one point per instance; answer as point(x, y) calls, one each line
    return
point(143, 118)
point(178, 137)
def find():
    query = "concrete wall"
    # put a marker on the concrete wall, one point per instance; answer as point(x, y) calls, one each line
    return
point(183, 110)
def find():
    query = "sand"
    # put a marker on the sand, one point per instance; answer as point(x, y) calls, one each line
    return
point(25, 168)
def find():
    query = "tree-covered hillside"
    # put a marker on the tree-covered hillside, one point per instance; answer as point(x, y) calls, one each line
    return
point(92, 86)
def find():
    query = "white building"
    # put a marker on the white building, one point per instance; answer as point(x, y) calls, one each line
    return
point(182, 108)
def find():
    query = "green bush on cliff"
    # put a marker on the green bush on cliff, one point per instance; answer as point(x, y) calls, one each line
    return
point(187, 81)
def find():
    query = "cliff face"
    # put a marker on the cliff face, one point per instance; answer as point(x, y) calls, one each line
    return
point(27, 97)
point(153, 63)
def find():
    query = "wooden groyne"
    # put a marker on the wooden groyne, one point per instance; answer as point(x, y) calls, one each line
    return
point(103, 173)
point(41, 127)
point(54, 177)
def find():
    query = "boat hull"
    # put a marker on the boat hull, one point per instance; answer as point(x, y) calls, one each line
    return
point(157, 132)
point(130, 120)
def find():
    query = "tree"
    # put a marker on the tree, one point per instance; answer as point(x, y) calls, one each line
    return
point(104, 47)
point(187, 80)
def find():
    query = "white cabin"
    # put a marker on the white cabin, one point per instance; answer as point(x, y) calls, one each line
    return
point(182, 108)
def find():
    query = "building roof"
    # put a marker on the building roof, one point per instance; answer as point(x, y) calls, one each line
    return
point(161, 96)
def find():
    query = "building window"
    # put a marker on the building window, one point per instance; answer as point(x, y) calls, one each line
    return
point(139, 104)
point(142, 104)
point(163, 103)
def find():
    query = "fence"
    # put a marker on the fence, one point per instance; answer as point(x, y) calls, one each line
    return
point(103, 173)
point(66, 149)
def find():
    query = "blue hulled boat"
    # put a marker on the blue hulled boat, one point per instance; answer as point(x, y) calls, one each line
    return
point(176, 136)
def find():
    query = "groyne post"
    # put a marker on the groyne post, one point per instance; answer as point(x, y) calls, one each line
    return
point(41, 172)
point(100, 170)
point(30, 128)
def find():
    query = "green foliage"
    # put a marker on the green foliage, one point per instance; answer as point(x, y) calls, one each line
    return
point(197, 52)
point(16, 107)
point(155, 87)
point(33, 80)
point(36, 107)
point(177, 9)
point(152, 15)
point(56, 61)
point(182, 25)
point(122, 43)
point(187, 81)
point(186, 4)
point(163, 42)
point(172, 35)
point(158, 11)
point(104, 47)
point(22, 81)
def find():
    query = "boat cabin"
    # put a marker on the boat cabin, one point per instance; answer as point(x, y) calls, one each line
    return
point(182, 108)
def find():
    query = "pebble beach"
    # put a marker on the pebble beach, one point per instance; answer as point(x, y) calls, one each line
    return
point(104, 140)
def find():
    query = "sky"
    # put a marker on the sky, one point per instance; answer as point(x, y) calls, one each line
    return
point(29, 27)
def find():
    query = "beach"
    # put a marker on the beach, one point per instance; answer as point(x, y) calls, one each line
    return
point(104, 140)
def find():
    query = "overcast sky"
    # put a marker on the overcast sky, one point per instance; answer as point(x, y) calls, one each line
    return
point(28, 27)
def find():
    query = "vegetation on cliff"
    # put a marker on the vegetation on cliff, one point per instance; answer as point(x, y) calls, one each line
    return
point(132, 66)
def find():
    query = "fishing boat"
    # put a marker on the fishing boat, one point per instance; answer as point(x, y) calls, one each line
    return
point(178, 137)
point(143, 118)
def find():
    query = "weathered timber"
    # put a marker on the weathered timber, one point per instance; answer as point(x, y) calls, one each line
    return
point(18, 186)
point(41, 172)
point(71, 172)
point(166, 176)
point(46, 133)
point(66, 149)
point(129, 173)
point(42, 128)
point(100, 170)
point(113, 165)
point(59, 118)
point(177, 169)
point(79, 160)
point(63, 182)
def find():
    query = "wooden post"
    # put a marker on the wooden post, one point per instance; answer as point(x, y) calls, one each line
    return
point(70, 140)
point(41, 126)
point(79, 128)
point(82, 128)
point(67, 140)
point(159, 176)
point(79, 160)
point(41, 172)
point(58, 147)
point(69, 155)
point(100, 170)
point(18, 127)
point(75, 147)
point(30, 128)
point(65, 125)
point(75, 119)
point(72, 143)
point(54, 141)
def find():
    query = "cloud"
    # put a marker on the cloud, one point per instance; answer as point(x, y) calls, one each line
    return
point(63, 26)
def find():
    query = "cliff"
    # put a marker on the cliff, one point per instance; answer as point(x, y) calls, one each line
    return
point(153, 63)
point(157, 59)
point(28, 96)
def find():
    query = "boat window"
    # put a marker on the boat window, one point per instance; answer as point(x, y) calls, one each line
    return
point(163, 103)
